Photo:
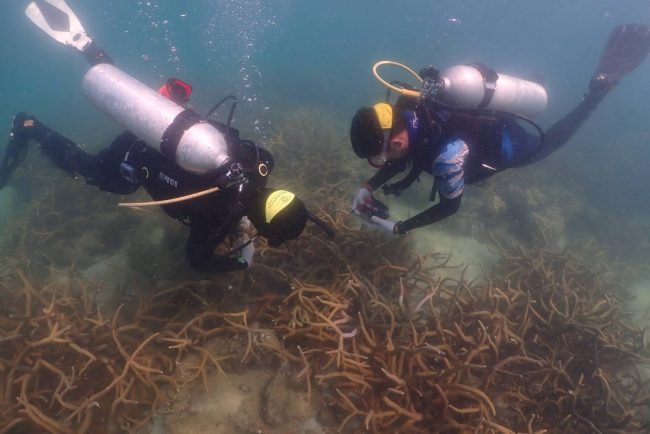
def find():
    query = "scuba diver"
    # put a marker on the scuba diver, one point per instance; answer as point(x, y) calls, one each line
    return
point(198, 170)
point(468, 123)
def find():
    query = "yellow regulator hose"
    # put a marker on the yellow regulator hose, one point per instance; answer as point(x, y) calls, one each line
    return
point(401, 91)
point(168, 201)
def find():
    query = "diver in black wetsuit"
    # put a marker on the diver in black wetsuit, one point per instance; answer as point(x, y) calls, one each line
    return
point(461, 147)
point(198, 170)
point(129, 163)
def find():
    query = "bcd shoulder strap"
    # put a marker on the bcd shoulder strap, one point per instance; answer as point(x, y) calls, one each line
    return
point(490, 78)
point(174, 132)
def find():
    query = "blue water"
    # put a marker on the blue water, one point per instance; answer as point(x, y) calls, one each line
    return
point(281, 55)
point(278, 55)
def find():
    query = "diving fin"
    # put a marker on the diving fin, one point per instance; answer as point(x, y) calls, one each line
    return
point(627, 47)
point(16, 148)
point(56, 19)
point(14, 155)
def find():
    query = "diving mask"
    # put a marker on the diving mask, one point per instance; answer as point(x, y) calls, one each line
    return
point(384, 113)
point(380, 159)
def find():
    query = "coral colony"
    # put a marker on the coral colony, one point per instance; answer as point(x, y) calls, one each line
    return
point(385, 339)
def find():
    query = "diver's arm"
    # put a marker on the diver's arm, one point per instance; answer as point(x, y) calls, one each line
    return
point(449, 175)
point(364, 195)
point(203, 240)
point(398, 187)
point(441, 210)
point(200, 255)
point(392, 168)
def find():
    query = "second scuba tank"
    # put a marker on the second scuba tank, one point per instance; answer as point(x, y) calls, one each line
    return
point(181, 134)
point(478, 87)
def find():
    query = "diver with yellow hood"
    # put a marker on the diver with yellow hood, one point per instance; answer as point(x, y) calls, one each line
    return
point(198, 170)
point(467, 123)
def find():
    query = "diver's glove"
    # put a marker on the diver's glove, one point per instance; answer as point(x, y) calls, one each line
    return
point(247, 254)
point(362, 198)
point(367, 206)
point(244, 239)
point(385, 225)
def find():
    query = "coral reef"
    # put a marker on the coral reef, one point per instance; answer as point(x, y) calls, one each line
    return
point(66, 367)
point(541, 346)
point(374, 336)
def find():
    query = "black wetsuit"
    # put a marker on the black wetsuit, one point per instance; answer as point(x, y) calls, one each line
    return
point(484, 156)
point(129, 163)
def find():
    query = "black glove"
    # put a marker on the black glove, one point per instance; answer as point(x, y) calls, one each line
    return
point(395, 189)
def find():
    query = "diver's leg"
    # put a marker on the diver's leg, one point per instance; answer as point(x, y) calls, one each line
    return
point(627, 48)
point(101, 170)
point(63, 152)
point(564, 129)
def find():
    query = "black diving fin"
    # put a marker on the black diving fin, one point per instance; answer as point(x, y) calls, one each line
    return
point(628, 46)
point(14, 155)
point(16, 149)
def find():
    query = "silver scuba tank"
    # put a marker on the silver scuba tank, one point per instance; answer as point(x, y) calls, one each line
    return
point(470, 87)
point(200, 147)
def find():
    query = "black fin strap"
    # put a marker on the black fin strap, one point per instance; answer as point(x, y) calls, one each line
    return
point(172, 135)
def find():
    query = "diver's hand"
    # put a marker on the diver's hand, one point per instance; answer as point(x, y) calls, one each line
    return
point(362, 199)
point(243, 239)
point(247, 254)
point(245, 226)
point(385, 225)
point(394, 189)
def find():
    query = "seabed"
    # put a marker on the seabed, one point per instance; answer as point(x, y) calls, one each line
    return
point(497, 322)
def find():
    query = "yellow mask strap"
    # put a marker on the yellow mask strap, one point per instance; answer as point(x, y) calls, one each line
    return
point(276, 202)
point(384, 114)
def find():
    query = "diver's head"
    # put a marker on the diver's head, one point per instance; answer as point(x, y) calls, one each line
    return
point(176, 90)
point(278, 215)
point(379, 133)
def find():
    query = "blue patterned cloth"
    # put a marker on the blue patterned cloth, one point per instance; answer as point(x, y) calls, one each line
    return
point(449, 168)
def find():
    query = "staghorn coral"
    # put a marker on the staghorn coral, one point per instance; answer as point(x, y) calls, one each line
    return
point(543, 346)
point(70, 368)
point(383, 338)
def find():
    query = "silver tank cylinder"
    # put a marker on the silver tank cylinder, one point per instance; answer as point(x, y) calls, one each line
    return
point(464, 88)
point(147, 114)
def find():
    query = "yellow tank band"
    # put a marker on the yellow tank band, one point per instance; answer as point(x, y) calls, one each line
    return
point(384, 114)
point(276, 202)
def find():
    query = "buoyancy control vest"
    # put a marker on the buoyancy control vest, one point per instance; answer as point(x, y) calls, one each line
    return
point(481, 131)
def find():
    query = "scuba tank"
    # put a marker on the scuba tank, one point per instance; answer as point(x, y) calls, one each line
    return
point(182, 135)
point(471, 95)
point(478, 87)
